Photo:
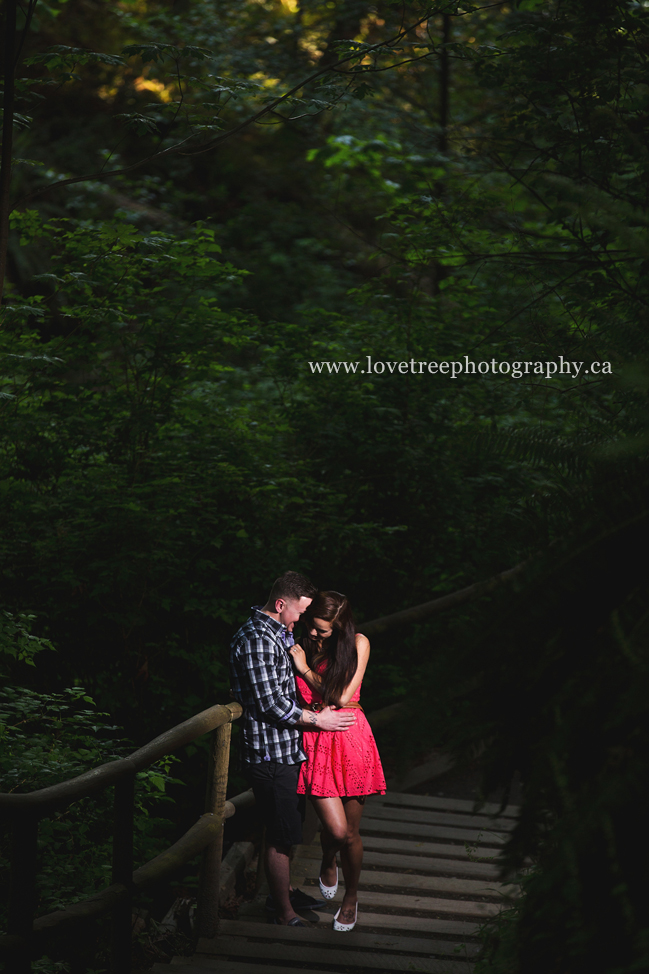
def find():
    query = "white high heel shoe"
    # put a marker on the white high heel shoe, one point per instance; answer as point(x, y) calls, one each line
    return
point(328, 891)
point(345, 927)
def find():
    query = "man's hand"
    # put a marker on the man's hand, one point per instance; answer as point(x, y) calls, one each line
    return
point(328, 719)
point(335, 720)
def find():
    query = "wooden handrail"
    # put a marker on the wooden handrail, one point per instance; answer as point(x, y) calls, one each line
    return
point(156, 870)
point(25, 935)
point(42, 802)
point(417, 613)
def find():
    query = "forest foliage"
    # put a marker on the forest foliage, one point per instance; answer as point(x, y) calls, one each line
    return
point(205, 202)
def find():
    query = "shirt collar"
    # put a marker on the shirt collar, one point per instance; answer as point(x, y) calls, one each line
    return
point(278, 627)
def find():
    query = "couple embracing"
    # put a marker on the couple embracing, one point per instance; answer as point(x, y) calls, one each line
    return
point(304, 733)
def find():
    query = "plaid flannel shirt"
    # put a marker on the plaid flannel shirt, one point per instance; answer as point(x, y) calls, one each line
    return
point(263, 682)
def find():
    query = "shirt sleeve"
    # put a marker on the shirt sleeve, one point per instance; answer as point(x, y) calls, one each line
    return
point(260, 658)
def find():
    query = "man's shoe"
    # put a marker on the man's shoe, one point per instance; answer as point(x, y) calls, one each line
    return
point(299, 901)
point(295, 922)
point(302, 901)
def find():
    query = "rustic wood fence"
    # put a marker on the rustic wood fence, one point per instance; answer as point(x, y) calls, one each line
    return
point(26, 937)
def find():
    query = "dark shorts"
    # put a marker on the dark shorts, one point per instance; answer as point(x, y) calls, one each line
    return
point(281, 808)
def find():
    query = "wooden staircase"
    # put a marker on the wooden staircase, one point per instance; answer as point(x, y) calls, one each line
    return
point(422, 898)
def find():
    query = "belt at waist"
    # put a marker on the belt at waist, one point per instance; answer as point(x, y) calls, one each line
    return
point(318, 706)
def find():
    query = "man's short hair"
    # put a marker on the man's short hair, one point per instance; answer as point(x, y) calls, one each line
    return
point(292, 585)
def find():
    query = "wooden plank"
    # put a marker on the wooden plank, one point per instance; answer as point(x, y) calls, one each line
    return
point(397, 923)
point(309, 868)
point(486, 837)
point(423, 848)
point(432, 817)
point(414, 902)
point(320, 935)
point(442, 803)
point(406, 924)
point(218, 965)
point(414, 847)
point(238, 947)
point(424, 864)
point(253, 910)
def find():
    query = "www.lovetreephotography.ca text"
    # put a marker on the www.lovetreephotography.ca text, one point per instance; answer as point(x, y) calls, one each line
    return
point(516, 370)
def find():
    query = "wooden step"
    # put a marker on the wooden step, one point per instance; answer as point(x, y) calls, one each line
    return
point(432, 926)
point(415, 903)
point(396, 923)
point(443, 804)
point(371, 823)
point(254, 910)
point(217, 965)
point(417, 847)
point(432, 817)
point(423, 864)
point(422, 898)
point(370, 920)
point(310, 868)
point(240, 948)
point(329, 937)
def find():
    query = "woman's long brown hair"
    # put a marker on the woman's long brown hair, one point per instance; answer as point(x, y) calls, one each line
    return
point(339, 649)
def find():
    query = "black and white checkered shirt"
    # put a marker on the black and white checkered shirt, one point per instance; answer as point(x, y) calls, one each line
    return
point(263, 682)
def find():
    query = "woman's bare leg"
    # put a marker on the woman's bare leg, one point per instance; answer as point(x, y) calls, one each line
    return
point(351, 858)
point(331, 813)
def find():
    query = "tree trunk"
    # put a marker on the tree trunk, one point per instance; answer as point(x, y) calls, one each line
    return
point(8, 69)
point(349, 18)
point(444, 83)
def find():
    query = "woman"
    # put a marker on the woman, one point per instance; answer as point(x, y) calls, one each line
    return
point(342, 767)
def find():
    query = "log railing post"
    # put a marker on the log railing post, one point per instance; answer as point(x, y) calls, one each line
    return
point(23, 891)
point(217, 782)
point(123, 873)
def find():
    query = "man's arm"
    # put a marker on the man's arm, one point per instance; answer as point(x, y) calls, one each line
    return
point(261, 658)
point(327, 719)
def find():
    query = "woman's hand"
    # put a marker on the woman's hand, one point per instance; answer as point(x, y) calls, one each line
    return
point(299, 659)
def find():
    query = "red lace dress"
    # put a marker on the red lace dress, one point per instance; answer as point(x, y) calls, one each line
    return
point(339, 762)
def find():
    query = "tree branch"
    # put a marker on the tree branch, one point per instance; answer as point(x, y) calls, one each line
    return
point(214, 143)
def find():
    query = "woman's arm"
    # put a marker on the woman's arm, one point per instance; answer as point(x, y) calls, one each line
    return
point(315, 681)
point(302, 668)
point(363, 653)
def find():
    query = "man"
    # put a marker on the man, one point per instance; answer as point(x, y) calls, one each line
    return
point(264, 683)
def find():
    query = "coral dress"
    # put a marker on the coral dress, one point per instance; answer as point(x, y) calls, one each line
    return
point(339, 762)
